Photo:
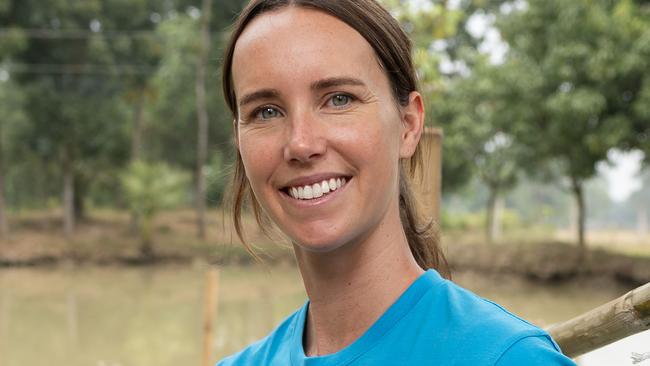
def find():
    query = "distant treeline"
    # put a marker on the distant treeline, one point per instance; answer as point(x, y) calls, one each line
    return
point(98, 98)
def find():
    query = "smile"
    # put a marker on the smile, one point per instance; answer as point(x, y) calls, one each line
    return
point(316, 190)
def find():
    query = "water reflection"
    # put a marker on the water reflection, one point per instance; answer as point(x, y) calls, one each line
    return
point(153, 316)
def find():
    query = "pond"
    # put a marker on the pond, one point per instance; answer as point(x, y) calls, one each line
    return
point(116, 316)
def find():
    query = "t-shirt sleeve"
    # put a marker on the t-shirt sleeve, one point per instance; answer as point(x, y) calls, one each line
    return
point(533, 351)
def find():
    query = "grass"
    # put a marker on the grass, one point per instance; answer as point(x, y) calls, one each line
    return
point(624, 242)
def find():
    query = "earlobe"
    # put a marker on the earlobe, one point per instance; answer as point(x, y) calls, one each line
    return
point(413, 124)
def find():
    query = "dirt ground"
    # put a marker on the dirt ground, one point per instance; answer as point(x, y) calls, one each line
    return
point(107, 237)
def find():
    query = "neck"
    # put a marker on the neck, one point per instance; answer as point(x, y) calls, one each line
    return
point(351, 287)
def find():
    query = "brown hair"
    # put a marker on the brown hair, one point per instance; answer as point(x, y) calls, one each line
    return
point(393, 49)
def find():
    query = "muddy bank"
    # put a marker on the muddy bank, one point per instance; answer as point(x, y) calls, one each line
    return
point(549, 262)
point(545, 262)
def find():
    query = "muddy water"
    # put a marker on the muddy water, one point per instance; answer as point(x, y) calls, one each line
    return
point(154, 316)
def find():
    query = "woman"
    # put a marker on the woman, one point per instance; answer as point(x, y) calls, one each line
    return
point(327, 120)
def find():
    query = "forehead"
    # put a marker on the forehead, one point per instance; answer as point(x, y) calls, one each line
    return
point(297, 46)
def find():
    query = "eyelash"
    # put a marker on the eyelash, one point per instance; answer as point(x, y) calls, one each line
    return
point(350, 97)
point(256, 114)
point(258, 111)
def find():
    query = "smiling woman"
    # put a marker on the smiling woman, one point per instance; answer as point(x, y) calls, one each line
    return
point(327, 119)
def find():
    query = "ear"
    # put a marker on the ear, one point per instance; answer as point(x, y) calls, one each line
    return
point(412, 125)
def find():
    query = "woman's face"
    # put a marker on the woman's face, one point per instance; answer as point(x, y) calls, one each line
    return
point(319, 132)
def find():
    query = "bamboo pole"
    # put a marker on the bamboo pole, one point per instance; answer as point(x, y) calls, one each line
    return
point(620, 318)
point(429, 178)
point(209, 313)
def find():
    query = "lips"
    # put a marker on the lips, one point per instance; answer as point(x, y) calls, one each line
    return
point(316, 190)
point(314, 187)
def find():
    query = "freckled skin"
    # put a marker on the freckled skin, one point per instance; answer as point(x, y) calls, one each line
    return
point(287, 51)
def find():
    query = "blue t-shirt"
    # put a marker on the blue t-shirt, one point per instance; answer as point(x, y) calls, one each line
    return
point(434, 322)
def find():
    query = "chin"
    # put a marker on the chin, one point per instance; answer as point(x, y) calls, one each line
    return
point(321, 245)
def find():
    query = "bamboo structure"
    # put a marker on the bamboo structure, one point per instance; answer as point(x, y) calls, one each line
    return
point(619, 318)
point(209, 314)
point(429, 178)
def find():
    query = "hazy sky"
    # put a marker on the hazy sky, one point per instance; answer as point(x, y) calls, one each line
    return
point(623, 176)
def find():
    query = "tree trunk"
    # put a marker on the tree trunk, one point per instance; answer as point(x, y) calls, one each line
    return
point(136, 147)
point(578, 195)
point(642, 220)
point(136, 133)
point(202, 117)
point(146, 236)
point(80, 189)
point(493, 215)
point(68, 195)
point(4, 226)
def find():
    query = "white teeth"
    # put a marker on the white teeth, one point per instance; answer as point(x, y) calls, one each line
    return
point(316, 190)
point(332, 184)
point(308, 194)
point(325, 187)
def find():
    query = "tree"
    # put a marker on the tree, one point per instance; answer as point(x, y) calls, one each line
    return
point(576, 71)
point(151, 188)
point(175, 107)
point(202, 117)
point(11, 110)
point(11, 104)
point(69, 78)
point(475, 110)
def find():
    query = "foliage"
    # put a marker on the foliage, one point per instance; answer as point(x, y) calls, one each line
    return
point(88, 72)
point(153, 187)
point(216, 178)
point(173, 112)
point(584, 69)
point(575, 73)
point(150, 188)
point(573, 85)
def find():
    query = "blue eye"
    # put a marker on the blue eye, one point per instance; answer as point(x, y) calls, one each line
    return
point(267, 113)
point(340, 100)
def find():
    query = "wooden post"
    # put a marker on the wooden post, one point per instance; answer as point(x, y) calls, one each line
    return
point(5, 317)
point(620, 318)
point(68, 193)
point(73, 320)
point(429, 179)
point(211, 297)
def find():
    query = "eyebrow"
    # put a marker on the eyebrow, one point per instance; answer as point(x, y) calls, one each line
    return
point(336, 81)
point(259, 94)
point(316, 85)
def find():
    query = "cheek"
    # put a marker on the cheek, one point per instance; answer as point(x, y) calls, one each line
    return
point(257, 159)
point(373, 146)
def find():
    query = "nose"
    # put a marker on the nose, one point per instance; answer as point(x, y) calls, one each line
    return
point(306, 142)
